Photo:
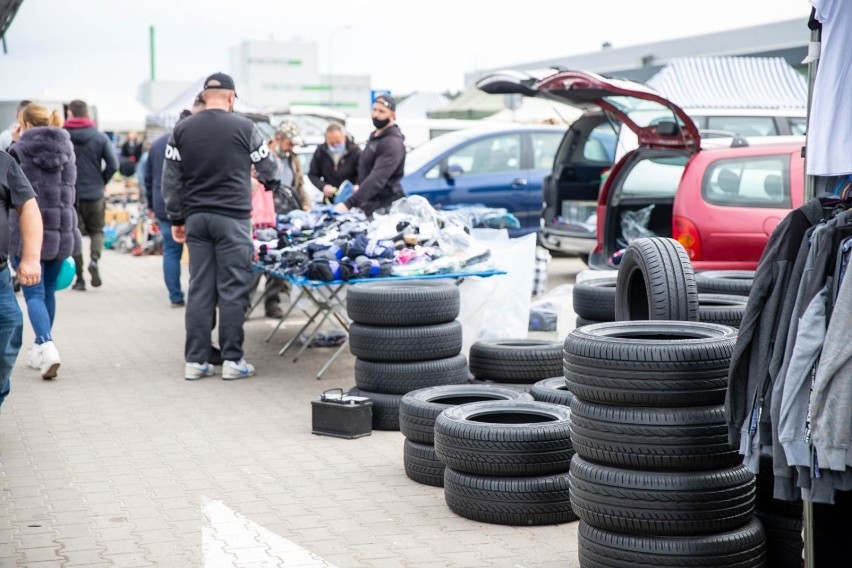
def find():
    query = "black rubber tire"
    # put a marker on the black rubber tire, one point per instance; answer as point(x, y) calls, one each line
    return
point(400, 304)
point(385, 408)
point(661, 503)
point(656, 282)
point(505, 437)
point(553, 390)
point(783, 539)
point(650, 363)
point(594, 299)
point(421, 464)
point(400, 378)
point(514, 501)
point(580, 322)
point(515, 360)
point(740, 548)
point(393, 344)
point(736, 282)
point(724, 309)
point(661, 439)
point(419, 409)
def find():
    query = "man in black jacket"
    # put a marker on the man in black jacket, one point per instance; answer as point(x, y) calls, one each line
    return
point(96, 164)
point(207, 192)
point(382, 162)
point(334, 161)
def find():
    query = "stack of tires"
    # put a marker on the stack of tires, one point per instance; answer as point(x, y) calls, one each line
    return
point(405, 337)
point(515, 361)
point(417, 413)
point(654, 481)
point(506, 462)
point(782, 521)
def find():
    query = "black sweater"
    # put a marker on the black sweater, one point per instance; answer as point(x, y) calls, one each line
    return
point(323, 171)
point(380, 170)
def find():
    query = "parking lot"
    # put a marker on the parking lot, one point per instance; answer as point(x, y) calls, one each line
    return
point(120, 462)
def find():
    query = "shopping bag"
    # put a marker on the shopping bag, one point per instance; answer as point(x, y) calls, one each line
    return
point(262, 208)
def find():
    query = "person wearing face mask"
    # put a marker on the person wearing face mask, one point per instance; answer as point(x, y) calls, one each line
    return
point(291, 194)
point(334, 162)
point(381, 165)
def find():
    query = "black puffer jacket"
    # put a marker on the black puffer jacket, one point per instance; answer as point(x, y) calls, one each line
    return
point(47, 159)
point(323, 171)
point(91, 147)
point(380, 170)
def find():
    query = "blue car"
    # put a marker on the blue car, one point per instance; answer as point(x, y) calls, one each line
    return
point(498, 166)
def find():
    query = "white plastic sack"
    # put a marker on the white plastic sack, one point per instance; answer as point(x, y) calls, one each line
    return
point(498, 307)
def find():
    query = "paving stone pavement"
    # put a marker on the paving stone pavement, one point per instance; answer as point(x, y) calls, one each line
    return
point(121, 462)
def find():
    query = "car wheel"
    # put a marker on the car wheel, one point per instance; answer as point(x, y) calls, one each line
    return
point(656, 282)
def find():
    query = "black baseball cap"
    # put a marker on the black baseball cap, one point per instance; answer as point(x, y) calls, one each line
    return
point(387, 101)
point(220, 81)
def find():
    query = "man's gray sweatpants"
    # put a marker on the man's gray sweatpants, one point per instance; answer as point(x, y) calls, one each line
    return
point(220, 259)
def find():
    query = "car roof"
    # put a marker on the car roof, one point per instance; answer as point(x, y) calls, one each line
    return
point(725, 143)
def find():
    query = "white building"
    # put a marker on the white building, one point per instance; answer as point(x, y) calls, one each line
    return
point(276, 75)
point(157, 94)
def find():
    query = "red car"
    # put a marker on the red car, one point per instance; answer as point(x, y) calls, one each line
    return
point(720, 198)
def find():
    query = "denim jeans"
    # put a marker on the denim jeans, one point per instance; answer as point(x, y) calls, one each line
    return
point(11, 331)
point(41, 300)
point(172, 252)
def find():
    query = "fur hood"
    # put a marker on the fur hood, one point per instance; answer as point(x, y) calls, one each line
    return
point(48, 147)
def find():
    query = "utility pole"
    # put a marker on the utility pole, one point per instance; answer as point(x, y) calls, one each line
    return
point(151, 52)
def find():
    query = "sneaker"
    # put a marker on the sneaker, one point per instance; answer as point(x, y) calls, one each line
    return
point(195, 371)
point(80, 284)
point(179, 304)
point(95, 273)
point(49, 360)
point(275, 312)
point(237, 370)
point(34, 358)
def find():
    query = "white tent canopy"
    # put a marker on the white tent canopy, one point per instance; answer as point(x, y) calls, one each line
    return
point(167, 117)
point(537, 111)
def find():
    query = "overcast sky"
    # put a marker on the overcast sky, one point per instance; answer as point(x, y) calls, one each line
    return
point(404, 45)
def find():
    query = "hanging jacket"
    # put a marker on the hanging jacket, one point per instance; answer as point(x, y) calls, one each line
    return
point(46, 156)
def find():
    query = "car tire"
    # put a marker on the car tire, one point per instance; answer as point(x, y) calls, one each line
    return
point(513, 501)
point(743, 547)
point(385, 408)
point(553, 390)
point(649, 363)
point(400, 304)
point(723, 309)
point(400, 378)
point(421, 464)
point(783, 539)
point(419, 409)
point(655, 439)
point(400, 344)
point(736, 282)
point(580, 322)
point(594, 299)
point(515, 360)
point(661, 503)
point(656, 282)
point(511, 438)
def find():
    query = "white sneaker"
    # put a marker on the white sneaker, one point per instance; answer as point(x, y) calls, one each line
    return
point(34, 358)
point(195, 371)
point(237, 370)
point(49, 360)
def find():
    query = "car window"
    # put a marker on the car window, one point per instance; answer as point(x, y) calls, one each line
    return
point(654, 176)
point(600, 145)
point(743, 125)
point(491, 155)
point(760, 181)
point(798, 125)
point(544, 145)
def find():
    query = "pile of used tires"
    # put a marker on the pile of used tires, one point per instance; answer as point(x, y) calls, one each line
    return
point(405, 337)
point(515, 361)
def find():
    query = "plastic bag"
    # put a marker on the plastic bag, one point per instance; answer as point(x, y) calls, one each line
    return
point(634, 224)
point(548, 313)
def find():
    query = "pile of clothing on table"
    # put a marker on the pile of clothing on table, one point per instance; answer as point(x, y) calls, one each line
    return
point(412, 239)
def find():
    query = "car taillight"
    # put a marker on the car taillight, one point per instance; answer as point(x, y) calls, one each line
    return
point(686, 233)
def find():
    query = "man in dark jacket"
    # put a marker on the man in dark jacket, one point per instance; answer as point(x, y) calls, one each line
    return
point(382, 162)
point(334, 161)
point(96, 164)
point(207, 192)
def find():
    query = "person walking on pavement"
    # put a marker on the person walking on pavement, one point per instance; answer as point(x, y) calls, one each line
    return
point(381, 165)
point(207, 192)
point(96, 164)
point(153, 177)
point(11, 134)
point(334, 161)
point(16, 194)
point(46, 157)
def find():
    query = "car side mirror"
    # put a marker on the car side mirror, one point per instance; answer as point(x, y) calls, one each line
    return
point(453, 171)
point(668, 128)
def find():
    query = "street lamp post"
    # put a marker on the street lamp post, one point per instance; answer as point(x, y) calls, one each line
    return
point(334, 33)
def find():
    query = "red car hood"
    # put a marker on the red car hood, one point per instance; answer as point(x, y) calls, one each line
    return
point(653, 118)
